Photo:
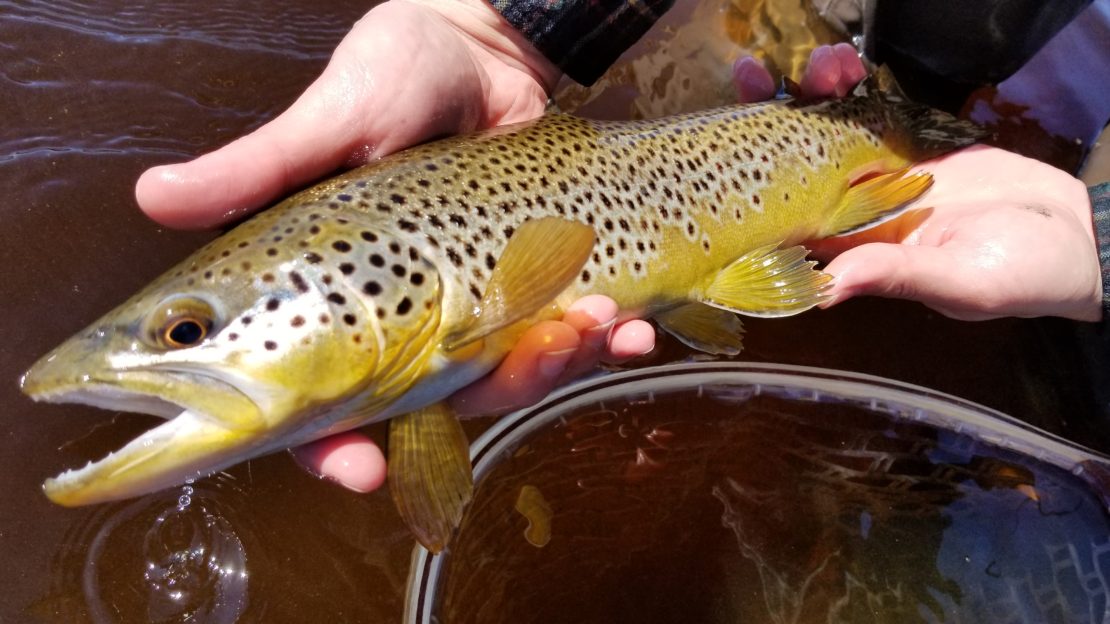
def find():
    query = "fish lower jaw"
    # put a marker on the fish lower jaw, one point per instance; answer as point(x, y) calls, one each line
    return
point(186, 447)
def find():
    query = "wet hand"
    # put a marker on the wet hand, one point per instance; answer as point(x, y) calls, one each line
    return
point(408, 71)
point(997, 235)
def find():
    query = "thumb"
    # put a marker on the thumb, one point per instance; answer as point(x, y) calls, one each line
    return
point(314, 136)
point(934, 276)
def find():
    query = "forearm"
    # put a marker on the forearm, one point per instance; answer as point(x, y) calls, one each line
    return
point(582, 37)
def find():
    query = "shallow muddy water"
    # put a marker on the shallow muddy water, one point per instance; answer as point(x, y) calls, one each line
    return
point(93, 93)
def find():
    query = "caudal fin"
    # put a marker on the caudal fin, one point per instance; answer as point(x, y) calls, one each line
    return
point(927, 132)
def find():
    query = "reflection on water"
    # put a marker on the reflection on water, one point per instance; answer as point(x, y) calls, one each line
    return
point(777, 504)
point(170, 557)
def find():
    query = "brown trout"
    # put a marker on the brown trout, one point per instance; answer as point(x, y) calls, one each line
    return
point(378, 293)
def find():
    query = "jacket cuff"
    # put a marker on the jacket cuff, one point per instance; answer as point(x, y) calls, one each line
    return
point(582, 37)
point(1100, 204)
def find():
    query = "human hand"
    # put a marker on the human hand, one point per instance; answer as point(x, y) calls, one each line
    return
point(997, 235)
point(832, 71)
point(408, 71)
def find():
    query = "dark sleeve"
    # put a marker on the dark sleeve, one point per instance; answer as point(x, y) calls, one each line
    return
point(582, 37)
point(942, 50)
point(1100, 202)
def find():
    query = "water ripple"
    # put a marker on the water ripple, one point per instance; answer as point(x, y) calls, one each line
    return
point(295, 30)
point(190, 564)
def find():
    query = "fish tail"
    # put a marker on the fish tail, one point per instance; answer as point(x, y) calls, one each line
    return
point(925, 131)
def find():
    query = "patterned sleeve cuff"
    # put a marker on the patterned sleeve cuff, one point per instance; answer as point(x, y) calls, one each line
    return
point(1100, 203)
point(582, 37)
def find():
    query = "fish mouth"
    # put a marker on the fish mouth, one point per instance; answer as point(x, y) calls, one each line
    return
point(194, 442)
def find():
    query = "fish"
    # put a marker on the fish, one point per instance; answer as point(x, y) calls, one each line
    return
point(378, 293)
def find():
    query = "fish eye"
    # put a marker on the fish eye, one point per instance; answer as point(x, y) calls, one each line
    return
point(185, 332)
point(180, 322)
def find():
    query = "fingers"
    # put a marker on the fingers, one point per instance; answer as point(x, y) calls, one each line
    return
point(630, 339)
point(593, 317)
point(350, 459)
point(310, 139)
point(933, 276)
point(752, 81)
point(525, 376)
point(832, 71)
point(554, 352)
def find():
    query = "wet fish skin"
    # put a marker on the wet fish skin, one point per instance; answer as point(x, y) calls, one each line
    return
point(369, 295)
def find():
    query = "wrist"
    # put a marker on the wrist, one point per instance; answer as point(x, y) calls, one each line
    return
point(478, 20)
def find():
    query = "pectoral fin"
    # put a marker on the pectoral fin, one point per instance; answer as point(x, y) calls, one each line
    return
point(542, 258)
point(768, 281)
point(429, 473)
point(704, 328)
point(875, 201)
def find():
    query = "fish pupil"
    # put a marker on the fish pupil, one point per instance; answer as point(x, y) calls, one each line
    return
point(186, 332)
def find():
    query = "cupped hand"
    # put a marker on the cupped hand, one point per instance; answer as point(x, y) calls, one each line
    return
point(997, 235)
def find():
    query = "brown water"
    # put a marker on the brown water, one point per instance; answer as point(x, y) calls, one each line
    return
point(90, 95)
point(665, 506)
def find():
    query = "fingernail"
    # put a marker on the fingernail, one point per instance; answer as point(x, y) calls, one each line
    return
point(552, 363)
point(598, 335)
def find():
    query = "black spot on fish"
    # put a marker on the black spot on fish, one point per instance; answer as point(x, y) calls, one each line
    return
point(312, 257)
point(349, 319)
point(377, 260)
point(404, 306)
point(270, 345)
point(297, 321)
point(416, 279)
point(369, 237)
point(271, 252)
point(298, 282)
point(272, 304)
point(372, 288)
point(346, 268)
point(341, 246)
point(398, 270)
point(337, 298)
point(343, 197)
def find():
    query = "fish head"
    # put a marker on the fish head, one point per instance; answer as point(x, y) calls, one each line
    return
point(244, 349)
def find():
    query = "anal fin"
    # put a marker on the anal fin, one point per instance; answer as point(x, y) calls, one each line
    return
point(704, 328)
point(429, 473)
point(768, 282)
point(875, 201)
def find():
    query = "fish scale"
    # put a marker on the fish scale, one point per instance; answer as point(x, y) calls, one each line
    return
point(377, 294)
